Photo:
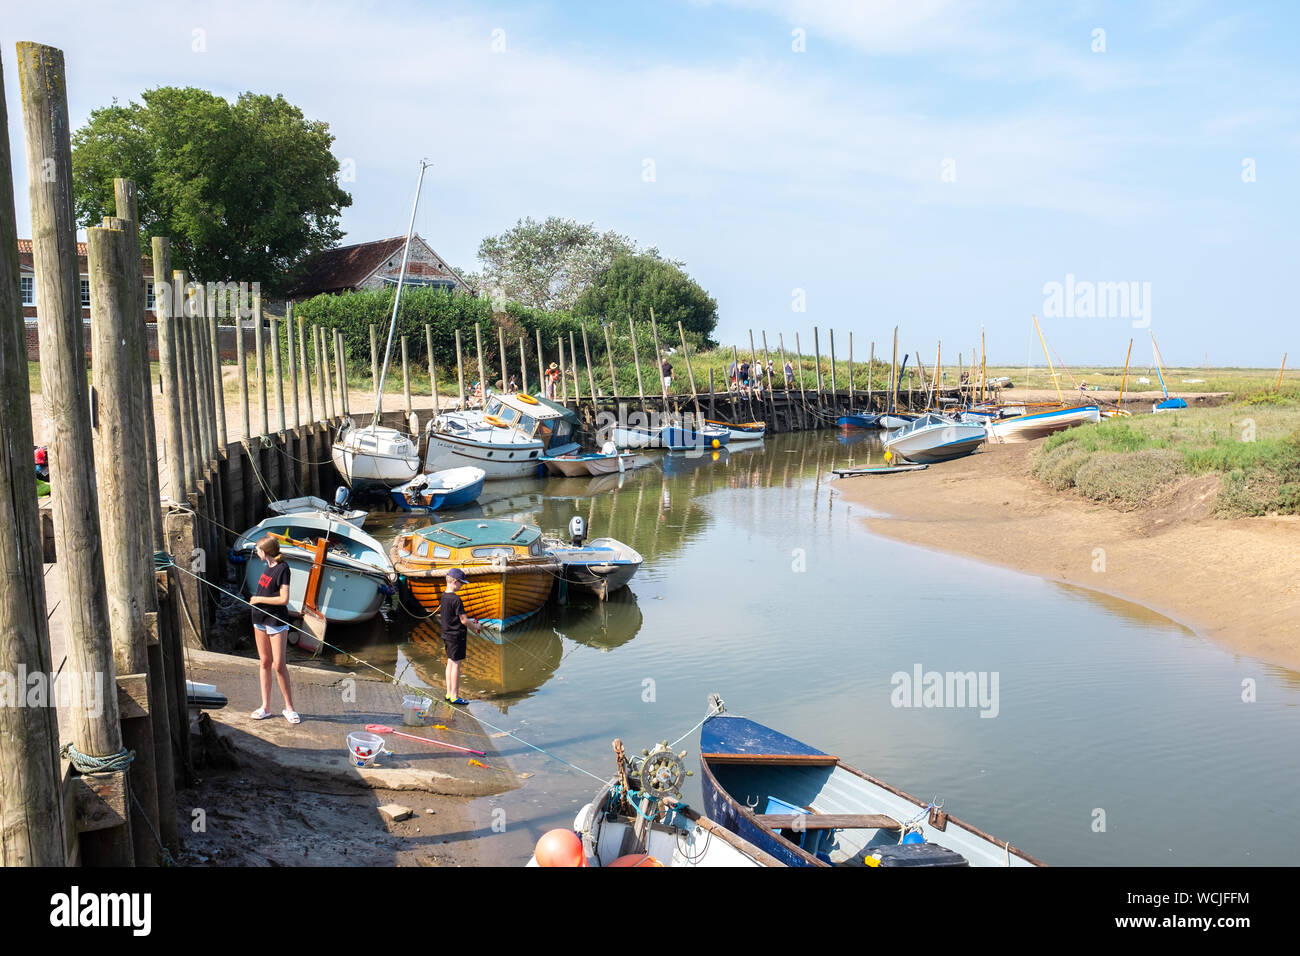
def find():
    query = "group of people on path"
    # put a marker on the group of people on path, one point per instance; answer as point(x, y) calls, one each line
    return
point(753, 379)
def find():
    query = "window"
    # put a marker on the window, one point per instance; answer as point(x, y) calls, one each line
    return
point(85, 293)
point(148, 296)
point(28, 285)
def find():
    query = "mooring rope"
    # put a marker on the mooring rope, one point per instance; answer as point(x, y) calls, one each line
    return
point(87, 763)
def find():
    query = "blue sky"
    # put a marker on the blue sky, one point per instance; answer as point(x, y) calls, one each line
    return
point(927, 164)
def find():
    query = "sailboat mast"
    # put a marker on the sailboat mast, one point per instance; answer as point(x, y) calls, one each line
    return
point(1155, 353)
point(397, 299)
point(1052, 368)
point(1124, 380)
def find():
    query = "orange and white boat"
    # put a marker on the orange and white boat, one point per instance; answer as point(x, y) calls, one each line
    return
point(509, 574)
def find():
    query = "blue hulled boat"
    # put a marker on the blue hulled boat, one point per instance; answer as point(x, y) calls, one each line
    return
point(440, 490)
point(807, 808)
point(858, 420)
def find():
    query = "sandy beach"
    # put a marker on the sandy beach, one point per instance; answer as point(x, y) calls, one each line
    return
point(1232, 581)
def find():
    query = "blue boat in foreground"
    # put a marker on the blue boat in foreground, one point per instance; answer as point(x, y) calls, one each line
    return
point(440, 490)
point(807, 808)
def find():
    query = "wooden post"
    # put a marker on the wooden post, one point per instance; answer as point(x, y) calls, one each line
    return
point(541, 366)
point(433, 372)
point(659, 357)
point(261, 365)
point(850, 371)
point(167, 363)
point(323, 360)
point(780, 337)
point(191, 391)
point(591, 379)
point(198, 379)
point(278, 372)
point(319, 362)
point(374, 364)
point(636, 359)
point(341, 357)
point(564, 378)
point(31, 794)
point(501, 347)
point(241, 359)
point(712, 412)
point(771, 382)
point(523, 366)
point(460, 369)
point(834, 388)
point(123, 487)
point(573, 366)
point(799, 351)
point(871, 367)
point(482, 369)
point(609, 354)
point(218, 382)
point(817, 352)
point(306, 371)
point(293, 363)
point(690, 373)
point(406, 378)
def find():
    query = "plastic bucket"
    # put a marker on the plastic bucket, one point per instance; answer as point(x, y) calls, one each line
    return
point(414, 708)
point(364, 747)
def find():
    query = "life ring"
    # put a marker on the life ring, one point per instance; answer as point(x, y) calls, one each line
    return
point(494, 420)
point(526, 398)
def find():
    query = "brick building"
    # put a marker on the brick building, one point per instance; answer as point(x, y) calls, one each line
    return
point(373, 265)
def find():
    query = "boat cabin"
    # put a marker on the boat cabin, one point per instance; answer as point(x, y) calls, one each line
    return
point(526, 416)
point(470, 541)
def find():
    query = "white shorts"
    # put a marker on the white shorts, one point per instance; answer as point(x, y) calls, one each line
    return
point(274, 629)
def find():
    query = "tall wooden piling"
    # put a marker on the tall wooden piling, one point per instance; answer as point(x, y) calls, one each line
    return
point(591, 379)
point(690, 373)
point(191, 390)
point(306, 371)
point(241, 360)
point(482, 369)
point(327, 385)
point(218, 382)
point(523, 366)
point(293, 363)
point(264, 422)
point(278, 372)
point(659, 358)
point(123, 488)
point(541, 366)
point(433, 371)
point(341, 356)
point(817, 353)
point(834, 387)
point(564, 376)
point(573, 366)
point(501, 347)
point(374, 365)
point(31, 795)
point(609, 354)
point(166, 324)
point(850, 371)
point(636, 360)
point(803, 402)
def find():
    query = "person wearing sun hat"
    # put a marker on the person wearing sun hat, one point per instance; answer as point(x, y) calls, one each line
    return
point(454, 627)
point(552, 379)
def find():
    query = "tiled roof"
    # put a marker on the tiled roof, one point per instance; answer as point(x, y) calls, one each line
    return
point(334, 270)
point(25, 248)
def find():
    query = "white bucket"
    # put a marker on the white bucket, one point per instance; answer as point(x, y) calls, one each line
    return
point(364, 747)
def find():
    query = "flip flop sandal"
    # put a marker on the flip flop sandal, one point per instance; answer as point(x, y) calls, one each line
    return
point(260, 714)
point(291, 716)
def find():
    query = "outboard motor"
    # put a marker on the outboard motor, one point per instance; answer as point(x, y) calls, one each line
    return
point(577, 530)
point(341, 498)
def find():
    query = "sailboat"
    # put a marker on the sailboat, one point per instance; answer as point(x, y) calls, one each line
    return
point(375, 456)
point(1169, 404)
point(1119, 411)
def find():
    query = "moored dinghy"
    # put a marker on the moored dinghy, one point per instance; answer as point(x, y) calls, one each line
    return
point(934, 438)
point(310, 503)
point(602, 565)
point(440, 490)
point(638, 819)
point(744, 431)
point(808, 808)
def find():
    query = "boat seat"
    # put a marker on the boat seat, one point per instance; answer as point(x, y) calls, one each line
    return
point(827, 821)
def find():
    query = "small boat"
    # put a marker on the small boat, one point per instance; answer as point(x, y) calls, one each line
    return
point(507, 439)
point(203, 696)
point(638, 819)
point(609, 460)
point(601, 565)
point(374, 457)
point(354, 574)
point(1034, 425)
point(510, 575)
point(934, 438)
point(674, 436)
point(293, 506)
point(440, 490)
point(895, 420)
point(1168, 404)
point(882, 470)
point(809, 808)
point(858, 420)
point(746, 431)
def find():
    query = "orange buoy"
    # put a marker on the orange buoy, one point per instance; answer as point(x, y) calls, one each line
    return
point(636, 859)
point(559, 848)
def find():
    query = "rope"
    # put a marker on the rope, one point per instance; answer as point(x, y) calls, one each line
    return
point(163, 854)
point(85, 763)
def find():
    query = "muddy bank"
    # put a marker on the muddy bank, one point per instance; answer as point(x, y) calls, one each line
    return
point(1232, 581)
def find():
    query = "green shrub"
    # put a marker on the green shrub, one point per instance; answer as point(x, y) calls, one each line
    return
point(1057, 467)
point(1128, 481)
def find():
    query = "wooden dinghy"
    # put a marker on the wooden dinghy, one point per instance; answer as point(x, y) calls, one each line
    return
point(638, 819)
point(808, 808)
point(509, 574)
point(881, 470)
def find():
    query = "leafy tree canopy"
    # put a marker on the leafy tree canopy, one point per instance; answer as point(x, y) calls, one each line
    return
point(243, 190)
point(635, 284)
point(548, 265)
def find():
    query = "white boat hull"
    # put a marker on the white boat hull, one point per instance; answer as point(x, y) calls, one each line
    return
point(1040, 424)
point(498, 460)
point(375, 457)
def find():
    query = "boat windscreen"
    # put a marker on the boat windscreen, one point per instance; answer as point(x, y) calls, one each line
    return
point(493, 407)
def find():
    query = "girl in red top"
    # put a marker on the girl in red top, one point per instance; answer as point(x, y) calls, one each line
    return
point(271, 627)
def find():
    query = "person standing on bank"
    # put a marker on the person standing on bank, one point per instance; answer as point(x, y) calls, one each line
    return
point(271, 627)
point(666, 369)
point(454, 630)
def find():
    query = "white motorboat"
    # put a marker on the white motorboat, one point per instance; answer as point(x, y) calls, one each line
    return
point(601, 565)
point(513, 434)
point(293, 506)
point(933, 438)
point(1033, 425)
point(374, 456)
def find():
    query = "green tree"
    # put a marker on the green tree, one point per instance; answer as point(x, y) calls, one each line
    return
point(245, 189)
point(547, 265)
point(633, 285)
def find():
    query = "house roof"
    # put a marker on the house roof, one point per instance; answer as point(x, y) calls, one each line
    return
point(26, 264)
point(344, 267)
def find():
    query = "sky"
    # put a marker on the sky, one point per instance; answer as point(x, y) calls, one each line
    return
point(1117, 169)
